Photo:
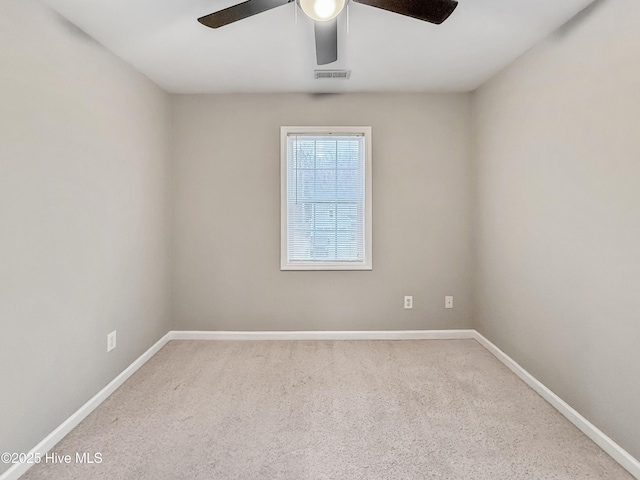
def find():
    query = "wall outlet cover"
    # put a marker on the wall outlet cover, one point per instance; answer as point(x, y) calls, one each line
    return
point(111, 341)
point(448, 301)
point(408, 302)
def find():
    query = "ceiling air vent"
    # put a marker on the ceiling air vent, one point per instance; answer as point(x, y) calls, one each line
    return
point(332, 74)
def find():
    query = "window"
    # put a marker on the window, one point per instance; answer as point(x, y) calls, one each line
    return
point(326, 198)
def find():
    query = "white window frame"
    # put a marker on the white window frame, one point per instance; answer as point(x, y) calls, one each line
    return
point(366, 263)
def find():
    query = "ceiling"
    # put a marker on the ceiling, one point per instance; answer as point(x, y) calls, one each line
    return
point(270, 52)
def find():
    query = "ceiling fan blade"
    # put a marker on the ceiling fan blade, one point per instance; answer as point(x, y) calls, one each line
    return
point(326, 41)
point(432, 11)
point(240, 11)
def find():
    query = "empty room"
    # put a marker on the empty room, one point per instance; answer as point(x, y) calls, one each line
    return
point(320, 239)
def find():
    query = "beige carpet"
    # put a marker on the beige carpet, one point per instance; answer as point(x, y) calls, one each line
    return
point(296, 410)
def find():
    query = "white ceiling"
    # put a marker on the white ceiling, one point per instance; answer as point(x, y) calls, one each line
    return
point(269, 52)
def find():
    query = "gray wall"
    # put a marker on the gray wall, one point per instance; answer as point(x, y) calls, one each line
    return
point(226, 200)
point(83, 244)
point(558, 216)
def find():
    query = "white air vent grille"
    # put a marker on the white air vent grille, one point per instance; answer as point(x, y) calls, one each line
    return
point(332, 74)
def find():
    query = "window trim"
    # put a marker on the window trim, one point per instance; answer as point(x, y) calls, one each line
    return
point(366, 263)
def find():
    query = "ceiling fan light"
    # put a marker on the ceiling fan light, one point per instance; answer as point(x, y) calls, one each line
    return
point(322, 10)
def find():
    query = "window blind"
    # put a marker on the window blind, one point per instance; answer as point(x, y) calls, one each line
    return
point(325, 198)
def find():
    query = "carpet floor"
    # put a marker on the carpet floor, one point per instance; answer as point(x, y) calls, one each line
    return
point(298, 410)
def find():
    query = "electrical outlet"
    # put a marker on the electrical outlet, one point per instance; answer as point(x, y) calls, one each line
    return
point(111, 341)
point(448, 301)
point(408, 302)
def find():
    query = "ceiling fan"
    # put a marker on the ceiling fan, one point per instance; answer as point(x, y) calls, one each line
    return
point(325, 13)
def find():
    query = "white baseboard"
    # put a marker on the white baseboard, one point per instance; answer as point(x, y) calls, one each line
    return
point(608, 445)
point(18, 469)
point(619, 454)
point(327, 335)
